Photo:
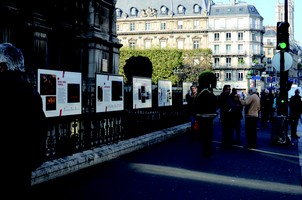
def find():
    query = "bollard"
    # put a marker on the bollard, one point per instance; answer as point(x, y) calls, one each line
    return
point(279, 130)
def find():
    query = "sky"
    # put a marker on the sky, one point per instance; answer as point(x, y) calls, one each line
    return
point(267, 8)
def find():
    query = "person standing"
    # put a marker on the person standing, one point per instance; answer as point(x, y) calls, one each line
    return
point(190, 97)
point(237, 115)
point(226, 108)
point(295, 108)
point(206, 109)
point(252, 104)
point(23, 125)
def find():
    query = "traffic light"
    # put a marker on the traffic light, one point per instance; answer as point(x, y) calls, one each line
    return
point(282, 36)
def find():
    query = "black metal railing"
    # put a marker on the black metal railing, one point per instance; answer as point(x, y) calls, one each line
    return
point(72, 134)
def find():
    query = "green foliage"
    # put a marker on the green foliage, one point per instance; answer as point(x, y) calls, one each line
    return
point(171, 64)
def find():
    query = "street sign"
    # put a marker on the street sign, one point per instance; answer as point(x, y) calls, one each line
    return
point(288, 61)
point(256, 77)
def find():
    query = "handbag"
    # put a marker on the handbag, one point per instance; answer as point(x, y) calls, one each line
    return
point(196, 126)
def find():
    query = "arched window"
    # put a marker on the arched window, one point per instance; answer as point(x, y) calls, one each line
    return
point(196, 8)
point(180, 9)
point(133, 11)
point(118, 13)
point(164, 10)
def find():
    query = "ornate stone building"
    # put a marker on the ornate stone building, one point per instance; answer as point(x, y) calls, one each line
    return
point(77, 35)
point(233, 31)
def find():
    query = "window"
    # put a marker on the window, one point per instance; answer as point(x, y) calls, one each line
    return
point(240, 48)
point(228, 76)
point(217, 75)
point(196, 8)
point(179, 24)
point(164, 10)
point(240, 76)
point(195, 44)
point(240, 60)
point(216, 62)
point(216, 36)
point(228, 62)
point(117, 27)
point(180, 44)
point(180, 9)
point(133, 12)
point(147, 26)
point(195, 24)
point(269, 61)
point(228, 49)
point(147, 44)
point(118, 13)
point(132, 45)
point(132, 26)
point(216, 49)
point(163, 44)
point(240, 36)
point(253, 37)
point(163, 26)
point(228, 36)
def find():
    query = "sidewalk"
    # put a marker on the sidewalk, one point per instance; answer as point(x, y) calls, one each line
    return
point(175, 169)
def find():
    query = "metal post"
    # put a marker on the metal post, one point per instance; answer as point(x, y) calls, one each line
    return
point(283, 74)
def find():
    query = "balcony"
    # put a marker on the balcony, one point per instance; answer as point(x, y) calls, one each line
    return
point(229, 53)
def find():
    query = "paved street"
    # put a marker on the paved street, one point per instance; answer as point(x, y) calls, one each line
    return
point(177, 170)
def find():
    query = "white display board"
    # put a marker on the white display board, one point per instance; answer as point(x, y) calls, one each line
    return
point(164, 93)
point(185, 90)
point(142, 92)
point(109, 93)
point(61, 92)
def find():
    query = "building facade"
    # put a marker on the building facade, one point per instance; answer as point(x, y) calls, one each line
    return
point(75, 35)
point(233, 31)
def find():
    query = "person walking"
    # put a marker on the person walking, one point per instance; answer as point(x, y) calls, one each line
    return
point(23, 125)
point(295, 109)
point(226, 108)
point(252, 104)
point(237, 113)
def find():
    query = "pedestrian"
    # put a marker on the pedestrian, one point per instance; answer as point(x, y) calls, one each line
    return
point(226, 109)
point(206, 110)
point(295, 108)
point(23, 125)
point(237, 114)
point(252, 108)
point(190, 98)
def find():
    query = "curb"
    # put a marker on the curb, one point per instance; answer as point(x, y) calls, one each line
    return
point(70, 164)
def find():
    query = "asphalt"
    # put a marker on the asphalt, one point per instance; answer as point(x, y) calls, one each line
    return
point(177, 170)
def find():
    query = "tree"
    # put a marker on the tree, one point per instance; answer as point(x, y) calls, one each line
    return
point(171, 64)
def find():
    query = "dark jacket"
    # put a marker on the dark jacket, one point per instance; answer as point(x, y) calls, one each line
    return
point(295, 105)
point(23, 123)
point(226, 106)
point(206, 102)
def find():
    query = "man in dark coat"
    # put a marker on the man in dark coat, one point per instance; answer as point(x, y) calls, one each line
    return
point(23, 125)
point(295, 108)
point(206, 107)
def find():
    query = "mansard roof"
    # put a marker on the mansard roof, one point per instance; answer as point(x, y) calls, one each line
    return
point(234, 9)
point(172, 7)
point(152, 8)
